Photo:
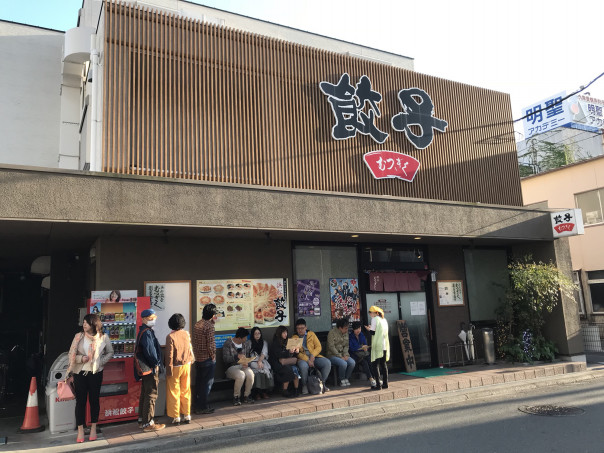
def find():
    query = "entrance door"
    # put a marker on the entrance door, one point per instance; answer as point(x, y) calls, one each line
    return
point(413, 309)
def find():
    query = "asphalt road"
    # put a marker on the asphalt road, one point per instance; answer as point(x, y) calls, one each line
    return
point(493, 424)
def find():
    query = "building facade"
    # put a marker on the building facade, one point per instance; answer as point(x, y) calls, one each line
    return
point(210, 153)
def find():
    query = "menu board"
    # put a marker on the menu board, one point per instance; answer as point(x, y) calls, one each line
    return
point(245, 302)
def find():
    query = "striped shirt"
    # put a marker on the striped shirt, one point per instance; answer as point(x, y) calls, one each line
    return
point(204, 344)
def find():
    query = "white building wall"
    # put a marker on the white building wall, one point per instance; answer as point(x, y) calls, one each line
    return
point(30, 106)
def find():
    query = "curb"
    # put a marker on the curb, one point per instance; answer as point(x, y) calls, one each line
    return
point(348, 414)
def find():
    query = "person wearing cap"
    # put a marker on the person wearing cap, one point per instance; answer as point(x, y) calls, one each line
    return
point(380, 347)
point(147, 365)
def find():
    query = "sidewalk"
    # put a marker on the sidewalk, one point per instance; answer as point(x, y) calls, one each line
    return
point(402, 388)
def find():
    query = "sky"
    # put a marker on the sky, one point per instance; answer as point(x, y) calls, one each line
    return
point(531, 49)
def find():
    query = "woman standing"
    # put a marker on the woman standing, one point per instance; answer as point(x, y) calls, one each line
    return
point(178, 359)
point(284, 361)
point(380, 347)
point(90, 350)
point(263, 377)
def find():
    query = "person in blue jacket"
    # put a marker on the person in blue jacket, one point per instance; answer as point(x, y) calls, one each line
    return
point(147, 365)
point(359, 351)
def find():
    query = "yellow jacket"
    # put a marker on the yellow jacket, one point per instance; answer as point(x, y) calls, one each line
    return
point(312, 343)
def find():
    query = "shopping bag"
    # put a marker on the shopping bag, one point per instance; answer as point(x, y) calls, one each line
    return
point(66, 389)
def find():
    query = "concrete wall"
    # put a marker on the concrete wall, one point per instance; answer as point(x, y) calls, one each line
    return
point(30, 84)
point(559, 187)
point(104, 198)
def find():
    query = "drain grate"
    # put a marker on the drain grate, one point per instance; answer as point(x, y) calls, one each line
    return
point(551, 410)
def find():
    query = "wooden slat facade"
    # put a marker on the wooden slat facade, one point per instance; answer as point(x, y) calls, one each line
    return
point(185, 99)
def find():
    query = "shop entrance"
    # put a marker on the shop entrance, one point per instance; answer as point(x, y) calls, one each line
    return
point(411, 307)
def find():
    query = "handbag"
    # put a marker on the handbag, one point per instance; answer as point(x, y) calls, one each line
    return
point(66, 389)
point(314, 383)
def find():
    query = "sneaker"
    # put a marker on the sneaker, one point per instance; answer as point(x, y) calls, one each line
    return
point(236, 401)
point(248, 400)
point(343, 383)
point(186, 419)
point(176, 421)
point(372, 382)
point(385, 386)
point(325, 389)
point(154, 427)
point(347, 382)
point(304, 390)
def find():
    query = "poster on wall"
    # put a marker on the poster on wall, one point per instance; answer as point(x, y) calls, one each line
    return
point(167, 298)
point(345, 299)
point(450, 293)
point(245, 302)
point(309, 298)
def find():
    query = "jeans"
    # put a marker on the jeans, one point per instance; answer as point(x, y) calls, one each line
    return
point(363, 364)
point(321, 363)
point(204, 379)
point(345, 367)
point(380, 365)
point(87, 386)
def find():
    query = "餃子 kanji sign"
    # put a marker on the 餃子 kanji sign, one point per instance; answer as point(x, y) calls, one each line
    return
point(355, 109)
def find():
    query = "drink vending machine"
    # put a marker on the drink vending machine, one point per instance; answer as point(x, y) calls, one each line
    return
point(120, 313)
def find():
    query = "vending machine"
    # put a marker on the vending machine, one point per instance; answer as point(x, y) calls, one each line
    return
point(120, 313)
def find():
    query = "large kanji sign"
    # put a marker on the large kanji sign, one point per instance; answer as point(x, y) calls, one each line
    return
point(355, 109)
point(390, 164)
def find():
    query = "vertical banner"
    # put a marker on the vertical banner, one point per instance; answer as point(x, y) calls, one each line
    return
point(345, 299)
point(308, 297)
point(406, 346)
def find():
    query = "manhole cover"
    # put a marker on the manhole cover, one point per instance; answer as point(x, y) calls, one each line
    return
point(551, 410)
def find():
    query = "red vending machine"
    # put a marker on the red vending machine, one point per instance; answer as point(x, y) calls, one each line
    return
point(120, 312)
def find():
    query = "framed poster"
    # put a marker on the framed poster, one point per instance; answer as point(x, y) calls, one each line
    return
point(245, 303)
point(450, 293)
point(167, 298)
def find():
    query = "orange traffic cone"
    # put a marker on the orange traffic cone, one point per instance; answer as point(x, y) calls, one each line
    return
point(31, 422)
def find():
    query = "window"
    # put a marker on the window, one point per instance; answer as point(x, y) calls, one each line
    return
point(579, 292)
point(590, 204)
point(595, 280)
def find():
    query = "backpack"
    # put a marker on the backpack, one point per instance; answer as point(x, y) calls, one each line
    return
point(314, 383)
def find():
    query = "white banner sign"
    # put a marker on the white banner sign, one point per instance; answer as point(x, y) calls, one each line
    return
point(567, 223)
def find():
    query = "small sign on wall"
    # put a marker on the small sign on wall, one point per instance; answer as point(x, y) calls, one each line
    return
point(450, 293)
point(567, 223)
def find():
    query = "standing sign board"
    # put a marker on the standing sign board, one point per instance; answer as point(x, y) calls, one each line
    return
point(406, 346)
point(567, 223)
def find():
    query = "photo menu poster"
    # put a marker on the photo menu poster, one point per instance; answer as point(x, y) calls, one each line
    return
point(245, 302)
